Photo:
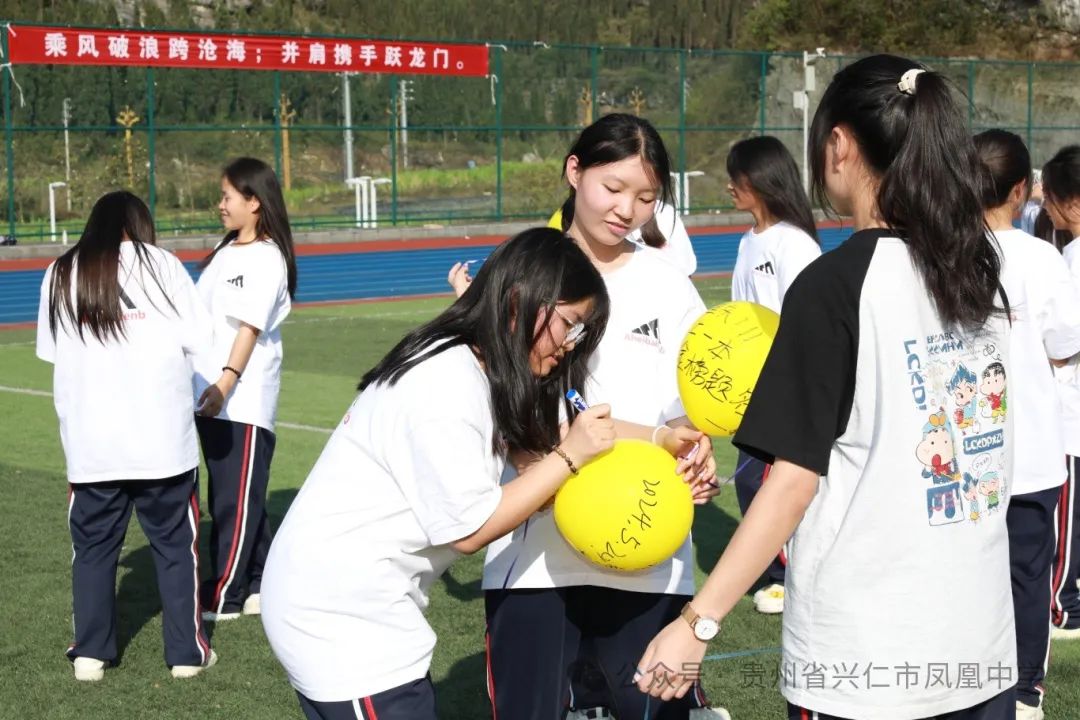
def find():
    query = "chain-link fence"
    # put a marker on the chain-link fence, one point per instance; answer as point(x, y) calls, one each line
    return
point(431, 150)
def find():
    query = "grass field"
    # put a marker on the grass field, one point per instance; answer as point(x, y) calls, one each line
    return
point(327, 349)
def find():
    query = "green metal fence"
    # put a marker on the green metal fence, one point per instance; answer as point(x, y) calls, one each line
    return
point(443, 149)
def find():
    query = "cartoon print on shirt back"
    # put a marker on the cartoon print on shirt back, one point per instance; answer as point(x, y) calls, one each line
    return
point(992, 387)
point(962, 472)
point(963, 386)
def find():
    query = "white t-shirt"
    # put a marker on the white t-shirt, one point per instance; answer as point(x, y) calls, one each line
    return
point(125, 405)
point(1068, 377)
point(1045, 305)
point(898, 601)
point(653, 305)
point(678, 249)
point(409, 469)
point(249, 284)
point(768, 262)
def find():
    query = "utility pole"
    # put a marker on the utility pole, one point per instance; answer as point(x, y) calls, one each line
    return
point(346, 103)
point(406, 96)
point(67, 151)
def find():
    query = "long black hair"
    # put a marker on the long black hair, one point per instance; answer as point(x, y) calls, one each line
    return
point(770, 171)
point(253, 178)
point(496, 316)
point(1006, 161)
point(616, 137)
point(94, 262)
point(917, 146)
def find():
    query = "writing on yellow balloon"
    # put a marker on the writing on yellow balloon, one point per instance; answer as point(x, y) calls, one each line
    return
point(720, 361)
point(626, 510)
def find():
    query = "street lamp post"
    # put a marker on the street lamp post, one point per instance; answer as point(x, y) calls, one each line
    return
point(346, 103)
point(802, 102)
point(67, 150)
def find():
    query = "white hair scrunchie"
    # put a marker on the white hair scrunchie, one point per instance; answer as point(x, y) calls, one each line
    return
point(908, 79)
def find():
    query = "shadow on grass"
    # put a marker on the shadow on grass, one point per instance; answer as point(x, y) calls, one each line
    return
point(462, 695)
point(713, 528)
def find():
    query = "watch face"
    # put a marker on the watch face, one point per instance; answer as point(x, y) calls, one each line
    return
point(706, 628)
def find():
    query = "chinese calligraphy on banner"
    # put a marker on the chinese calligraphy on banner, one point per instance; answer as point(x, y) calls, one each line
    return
point(33, 45)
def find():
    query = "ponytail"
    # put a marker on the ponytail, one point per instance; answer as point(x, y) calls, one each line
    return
point(913, 138)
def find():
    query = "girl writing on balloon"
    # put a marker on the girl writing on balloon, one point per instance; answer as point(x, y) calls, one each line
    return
point(409, 480)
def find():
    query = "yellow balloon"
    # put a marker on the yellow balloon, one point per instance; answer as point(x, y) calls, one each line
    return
point(720, 361)
point(628, 509)
point(555, 221)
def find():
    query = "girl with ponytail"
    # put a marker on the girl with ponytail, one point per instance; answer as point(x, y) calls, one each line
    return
point(893, 513)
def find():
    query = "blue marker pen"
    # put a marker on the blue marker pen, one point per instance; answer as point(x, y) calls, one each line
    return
point(576, 400)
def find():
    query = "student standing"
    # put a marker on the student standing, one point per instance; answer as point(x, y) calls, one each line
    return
point(1061, 190)
point(118, 319)
point(887, 567)
point(764, 181)
point(248, 283)
point(410, 478)
point(1045, 306)
point(550, 612)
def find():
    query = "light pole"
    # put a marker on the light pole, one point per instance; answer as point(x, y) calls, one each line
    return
point(346, 104)
point(802, 102)
point(52, 206)
point(406, 96)
point(67, 150)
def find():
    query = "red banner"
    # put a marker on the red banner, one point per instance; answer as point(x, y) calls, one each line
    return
point(32, 45)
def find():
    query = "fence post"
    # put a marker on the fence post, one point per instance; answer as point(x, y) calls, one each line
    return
point(971, 95)
point(682, 131)
point(594, 79)
point(498, 132)
point(1030, 100)
point(395, 89)
point(763, 90)
point(150, 137)
point(9, 141)
point(277, 122)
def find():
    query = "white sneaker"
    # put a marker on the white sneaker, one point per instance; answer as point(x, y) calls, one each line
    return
point(597, 713)
point(1028, 712)
point(214, 617)
point(1065, 634)
point(253, 605)
point(190, 671)
point(710, 713)
point(89, 669)
point(770, 600)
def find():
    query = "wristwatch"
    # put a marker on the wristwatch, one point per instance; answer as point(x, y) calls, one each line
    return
point(705, 629)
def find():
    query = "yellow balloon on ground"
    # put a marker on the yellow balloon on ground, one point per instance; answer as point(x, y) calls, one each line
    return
point(628, 509)
point(720, 361)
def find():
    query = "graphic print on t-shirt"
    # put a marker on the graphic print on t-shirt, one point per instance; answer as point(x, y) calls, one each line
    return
point(648, 333)
point(961, 445)
point(766, 268)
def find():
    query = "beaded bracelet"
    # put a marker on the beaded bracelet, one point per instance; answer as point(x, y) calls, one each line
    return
point(569, 463)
